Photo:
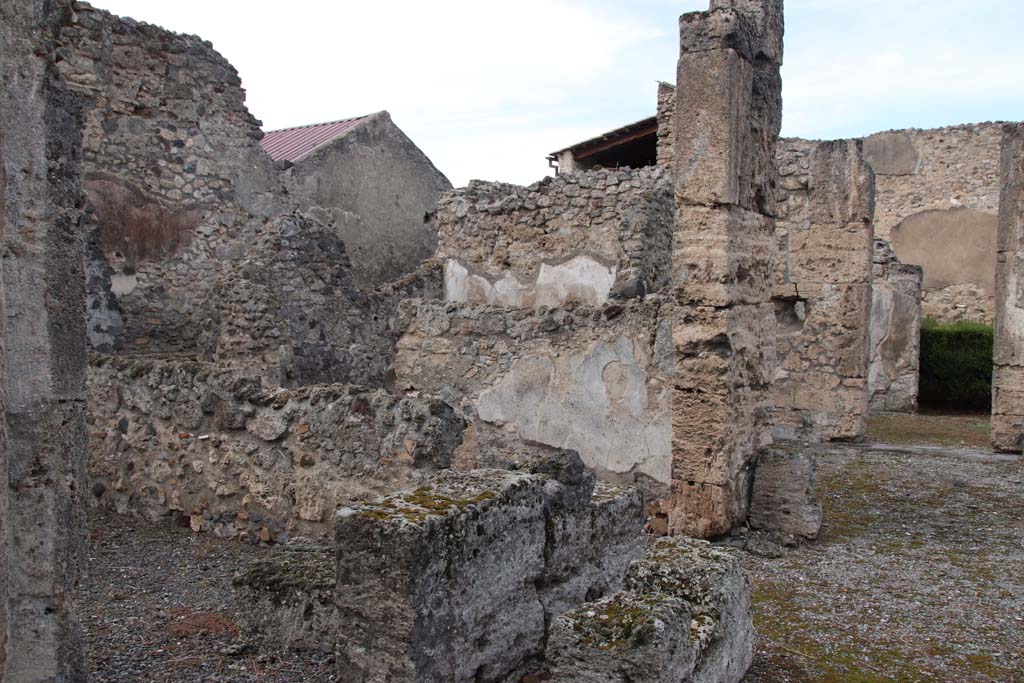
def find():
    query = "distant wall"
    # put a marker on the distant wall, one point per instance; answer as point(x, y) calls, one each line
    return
point(937, 188)
point(379, 189)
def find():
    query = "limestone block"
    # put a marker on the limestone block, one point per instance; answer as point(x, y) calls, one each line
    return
point(839, 255)
point(714, 100)
point(782, 496)
point(288, 597)
point(439, 583)
point(895, 345)
point(725, 258)
point(719, 29)
point(713, 583)
point(624, 637)
point(590, 545)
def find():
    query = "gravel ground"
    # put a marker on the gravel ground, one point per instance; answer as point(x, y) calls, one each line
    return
point(158, 607)
point(918, 576)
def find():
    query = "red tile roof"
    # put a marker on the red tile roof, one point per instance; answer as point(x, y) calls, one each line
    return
point(293, 144)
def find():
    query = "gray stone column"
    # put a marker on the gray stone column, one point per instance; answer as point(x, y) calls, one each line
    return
point(43, 350)
point(1008, 373)
point(727, 121)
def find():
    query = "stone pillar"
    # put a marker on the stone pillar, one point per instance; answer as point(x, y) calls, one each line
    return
point(1008, 373)
point(894, 368)
point(43, 350)
point(727, 120)
point(823, 290)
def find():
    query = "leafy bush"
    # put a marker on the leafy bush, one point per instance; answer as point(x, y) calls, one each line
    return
point(956, 365)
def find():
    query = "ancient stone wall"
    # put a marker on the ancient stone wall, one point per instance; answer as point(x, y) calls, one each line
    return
point(1008, 374)
point(377, 187)
point(594, 380)
point(578, 237)
point(895, 349)
point(42, 438)
point(936, 188)
point(727, 121)
point(666, 127)
point(213, 449)
point(822, 291)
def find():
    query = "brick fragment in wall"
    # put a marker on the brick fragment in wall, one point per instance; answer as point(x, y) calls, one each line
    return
point(895, 347)
point(726, 126)
point(42, 357)
point(211, 448)
point(583, 237)
point(595, 380)
point(1008, 374)
point(823, 290)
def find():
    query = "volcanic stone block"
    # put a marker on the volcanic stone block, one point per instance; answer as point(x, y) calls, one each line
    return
point(782, 498)
point(289, 597)
point(767, 21)
point(438, 584)
point(590, 545)
point(712, 581)
point(625, 637)
point(1008, 375)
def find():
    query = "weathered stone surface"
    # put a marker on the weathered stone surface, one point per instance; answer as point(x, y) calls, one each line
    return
point(666, 127)
point(579, 237)
point(376, 186)
point(712, 581)
point(823, 290)
point(42, 358)
point(288, 597)
point(592, 380)
point(215, 450)
point(895, 348)
point(782, 496)
point(624, 637)
point(936, 188)
point(590, 543)
point(728, 111)
point(1008, 374)
point(438, 584)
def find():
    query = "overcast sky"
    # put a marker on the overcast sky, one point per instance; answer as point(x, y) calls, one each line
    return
point(488, 89)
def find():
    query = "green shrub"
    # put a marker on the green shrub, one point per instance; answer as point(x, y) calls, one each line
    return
point(956, 365)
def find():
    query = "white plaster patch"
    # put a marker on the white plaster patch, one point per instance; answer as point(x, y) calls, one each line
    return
point(595, 401)
point(579, 279)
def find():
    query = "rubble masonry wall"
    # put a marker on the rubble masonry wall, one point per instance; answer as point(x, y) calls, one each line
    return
point(822, 293)
point(936, 188)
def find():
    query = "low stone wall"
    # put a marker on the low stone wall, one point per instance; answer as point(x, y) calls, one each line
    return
point(593, 380)
point(213, 449)
point(578, 237)
point(823, 290)
point(894, 370)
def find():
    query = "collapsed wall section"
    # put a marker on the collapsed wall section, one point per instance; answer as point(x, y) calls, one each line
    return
point(1008, 374)
point(42, 357)
point(594, 380)
point(212, 449)
point(580, 237)
point(822, 293)
point(727, 120)
point(895, 349)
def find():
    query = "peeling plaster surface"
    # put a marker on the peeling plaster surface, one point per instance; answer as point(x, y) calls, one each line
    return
point(580, 279)
point(595, 401)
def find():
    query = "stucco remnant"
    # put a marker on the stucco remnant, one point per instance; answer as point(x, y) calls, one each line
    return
point(727, 120)
point(1008, 374)
point(822, 290)
point(42, 357)
point(895, 349)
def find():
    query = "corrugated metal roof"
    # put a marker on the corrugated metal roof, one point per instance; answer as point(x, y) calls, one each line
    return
point(293, 144)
